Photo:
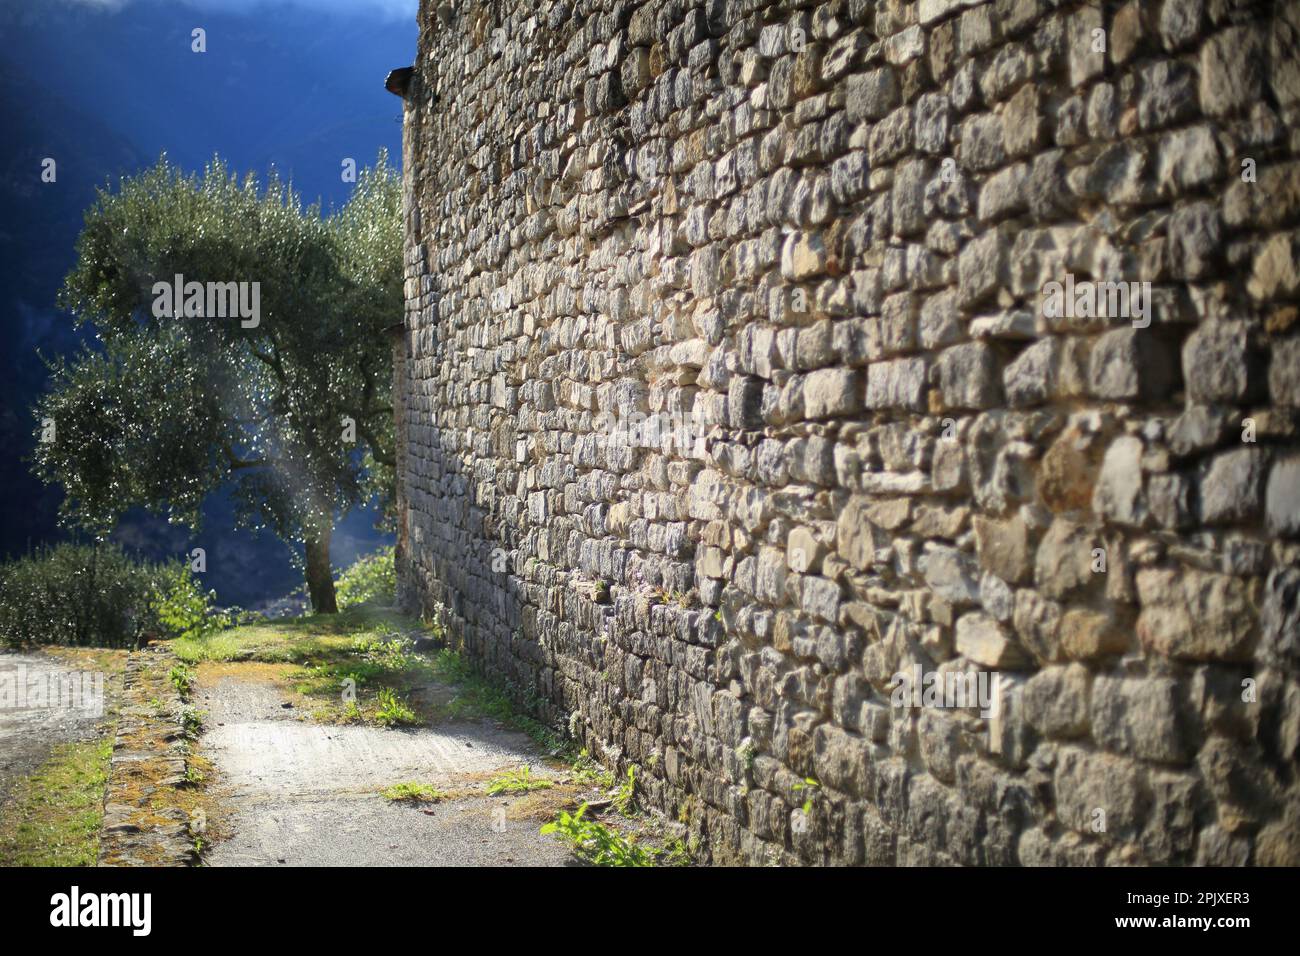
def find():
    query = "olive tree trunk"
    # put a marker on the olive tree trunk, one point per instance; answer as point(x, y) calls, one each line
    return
point(320, 576)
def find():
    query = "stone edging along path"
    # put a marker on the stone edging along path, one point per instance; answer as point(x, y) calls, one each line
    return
point(150, 758)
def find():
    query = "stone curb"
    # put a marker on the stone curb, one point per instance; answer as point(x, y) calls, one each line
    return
point(149, 754)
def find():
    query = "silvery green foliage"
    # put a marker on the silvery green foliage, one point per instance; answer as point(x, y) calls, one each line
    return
point(166, 409)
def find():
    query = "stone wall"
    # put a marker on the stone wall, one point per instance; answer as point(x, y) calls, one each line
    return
point(736, 386)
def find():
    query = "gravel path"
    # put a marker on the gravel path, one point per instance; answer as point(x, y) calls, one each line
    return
point(306, 794)
point(36, 713)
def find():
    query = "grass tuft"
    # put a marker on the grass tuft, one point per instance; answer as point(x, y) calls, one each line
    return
point(412, 792)
point(518, 781)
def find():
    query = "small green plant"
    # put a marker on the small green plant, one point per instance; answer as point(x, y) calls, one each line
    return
point(191, 720)
point(685, 810)
point(387, 651)
point(677, 853)
point(393, 712)
point(625, 796)
point(812, 786)
point(587, 771)
point(413, 792)
point(518, 781)
point(182, 679)
point(747, 752)
point(193, 775)
point(595, 842)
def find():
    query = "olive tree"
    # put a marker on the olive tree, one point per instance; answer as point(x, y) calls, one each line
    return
point(268, 375)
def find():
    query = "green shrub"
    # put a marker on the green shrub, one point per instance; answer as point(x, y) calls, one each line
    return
point(182, 608)
point(371, 578)
point(76, 594)
point(98, 595)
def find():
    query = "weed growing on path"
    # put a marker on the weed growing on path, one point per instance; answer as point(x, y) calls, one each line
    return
point(518, 781)
point(393, 712)
point(412, 792)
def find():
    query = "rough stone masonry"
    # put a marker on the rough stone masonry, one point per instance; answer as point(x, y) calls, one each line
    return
point(739, 387)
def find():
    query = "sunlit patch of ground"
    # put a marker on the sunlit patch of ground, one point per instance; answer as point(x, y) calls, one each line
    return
point(360, 723)
point(53, 817)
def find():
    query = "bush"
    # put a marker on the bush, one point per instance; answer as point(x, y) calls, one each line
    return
point(97, 595)
point(371, 578)
point(182, 608)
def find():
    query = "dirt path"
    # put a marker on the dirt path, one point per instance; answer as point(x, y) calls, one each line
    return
point(40, 717)
point(305, 794)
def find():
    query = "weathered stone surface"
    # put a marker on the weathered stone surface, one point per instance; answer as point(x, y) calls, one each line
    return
point(1282, 497)
point(1129, 363)
point(1280, 617)
point(896, 384)
point(1275, 273)
point(980, 268)
point(1139, 717)
point(1003, 547)
point(1091, 635)
point(1056, 701)
point(807, 247)
point(870, 96)
point(1194, 614)
point(1067, 474)
point(855, 535)
point(951, 575)
point(1217, 364)
point(1197, 429)
point(984, 641)
point(1284, 372)
point(1119, 487)
point(1032, 378)
point(831, 392)
point(1063, 566)
point(969, 376)
point(1100, 794)
point(1231, 70)
point(1230, 487)
point(1168, 94)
